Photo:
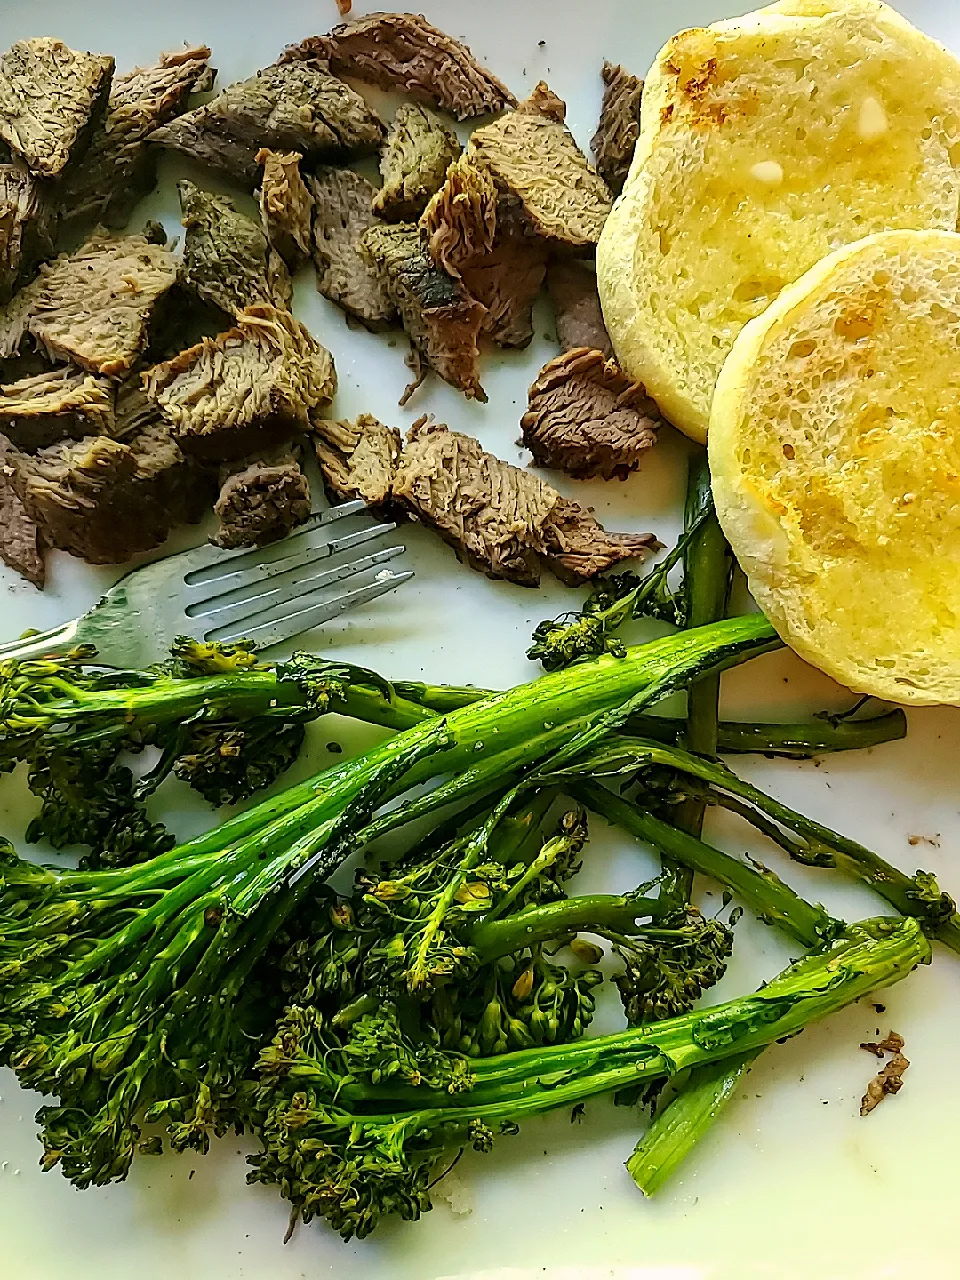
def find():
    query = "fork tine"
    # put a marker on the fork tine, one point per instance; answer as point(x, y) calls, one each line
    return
point(212, 614)
point(277, 630)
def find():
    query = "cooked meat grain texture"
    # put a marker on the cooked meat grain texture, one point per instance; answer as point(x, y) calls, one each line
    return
point(286, 206)
point(441, 319)
point(586, 417)
point(248, 389)
point(20, 544)
point(93, 306)
point(619, 126)
point(414, 162)
point(227, 259)
point(572, 287)
point(296, 107)
point(402, 51)
point(262, 503)
point(342, 214)
point(51, 97)
point(39, 410)
point(357, 459)
point(118, 167)
point(532, 156)
point(28, 223)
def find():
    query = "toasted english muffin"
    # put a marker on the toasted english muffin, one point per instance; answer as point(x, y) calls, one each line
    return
point(835, 455)
point(766, 143)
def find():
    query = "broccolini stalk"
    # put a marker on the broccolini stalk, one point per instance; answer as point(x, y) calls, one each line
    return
point(346, 1144)
point(127, 993)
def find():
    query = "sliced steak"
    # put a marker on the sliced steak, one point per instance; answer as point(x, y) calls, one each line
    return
point(572, 287)
point(51, 98)
point(297, 107)
point(586, 417)
point(342, 215)
point(286, 206)
point(414, 162)
point(357, 459)
point(502, 520)
point(442, 320)
point(118, 169)
point(616, 137)
point(248, 389)
point(38, 411)
point(93, 306)
point(532, 156)
point(402, 51)
point(227, 259)
point(20, 544)
point(262, 503)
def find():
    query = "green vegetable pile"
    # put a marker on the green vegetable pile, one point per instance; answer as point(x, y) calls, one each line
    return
point(163, 993)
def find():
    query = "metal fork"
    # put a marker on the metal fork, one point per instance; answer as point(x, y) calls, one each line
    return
point(267, 595)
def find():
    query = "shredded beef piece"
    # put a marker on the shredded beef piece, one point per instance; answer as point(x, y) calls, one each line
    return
point(892, 1043)
point(403, 51)
point(357, 459)
point(572, 287)
point(414, 163)
point(619, 126)
point(262, 503)
point(248, 389)
point(889, 1079)
point(442, 320)
point(21, 546)
point(532, 155)
point(39, 410)
point(479, 237)
point(93, 306)
point(227, 259)
point(342, 215)
point(286, 206)
point(51, 97)
point(297, 107)
point(118, 169)
point(28, 223)
point(502, 520)
point(586, 417)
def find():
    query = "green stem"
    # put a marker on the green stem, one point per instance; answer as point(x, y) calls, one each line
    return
point(492, 939)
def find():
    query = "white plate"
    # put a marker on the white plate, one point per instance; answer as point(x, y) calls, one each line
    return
point(792, 1183)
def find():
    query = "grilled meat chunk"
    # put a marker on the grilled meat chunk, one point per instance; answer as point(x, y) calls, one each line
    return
point(21, 546)
point(39, 410)
point(619, 126)
point(414, 162)
point(28, 225)
point(261, 503)
point(572, 287)
point(357, 459)
point(286, 206)
point(342, 215)
point(403, 51)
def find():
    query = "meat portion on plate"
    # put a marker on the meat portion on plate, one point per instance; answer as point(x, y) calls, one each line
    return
point(586, 417)
point(28, 225)
point(414, 162)
point(402, 51)
point(21, 546)
point(296, 107)
point(51, 97)
point(118, 167)
point(39, 410)
point(261, 502)
point(248, 389)
point(286, 206)
point(227, 260)
point(616, 137)
point(357, 459)
point(572, 286)
point(342, 215)
point(442, 320)
point(94, 306)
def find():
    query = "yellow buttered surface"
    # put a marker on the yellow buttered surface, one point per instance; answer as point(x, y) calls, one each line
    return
point(767, 142)
point(835, 454)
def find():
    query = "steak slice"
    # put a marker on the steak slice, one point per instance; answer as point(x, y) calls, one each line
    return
point(28, 224)
point(51, 97)
point(248, 389)
point(619, 126)
point(118, 168)
point(20, 544)
point(227, 260)
point(586, 417)
point(342, 215)
point(442, 320)
point(93, 306)
point(38, 411)
point(532, 156)
point(262, 503)
point(414, 163)
point(503, 521)
point(286, 206)
point(402, 51)
point(572, 287)
point(480, 237)
point(298, 107)
point(357, 459)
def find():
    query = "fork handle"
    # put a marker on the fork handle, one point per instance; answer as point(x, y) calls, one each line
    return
point(42, 644)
